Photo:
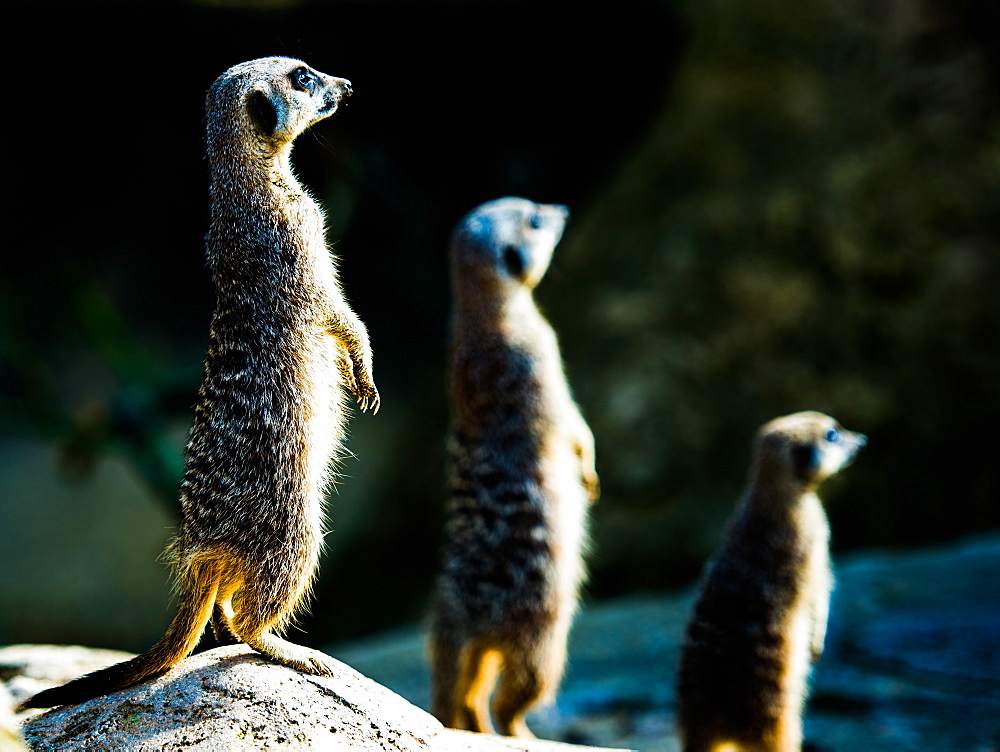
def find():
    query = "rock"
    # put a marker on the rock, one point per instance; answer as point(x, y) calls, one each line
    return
point(451, 740)
point(231, 698)
point(912, 658)
point(28, 669)
point(10, 739)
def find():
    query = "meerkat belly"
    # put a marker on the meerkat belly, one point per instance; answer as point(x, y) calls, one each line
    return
point(566, 513)
point(797, 632)
point(321, 404)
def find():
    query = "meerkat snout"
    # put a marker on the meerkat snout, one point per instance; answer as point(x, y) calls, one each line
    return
point(851, 442)
point(342, 88)
point(551, 214)
point(337, 90)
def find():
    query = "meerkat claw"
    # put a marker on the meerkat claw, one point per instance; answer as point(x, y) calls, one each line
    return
point(372, 401)
point(320, 668)
point(364, 390)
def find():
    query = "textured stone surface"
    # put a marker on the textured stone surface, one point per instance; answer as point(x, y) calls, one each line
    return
point(231, 698)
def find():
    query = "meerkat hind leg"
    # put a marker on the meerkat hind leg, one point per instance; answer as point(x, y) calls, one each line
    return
point(478, 670)
point(289, 654)
point(263, 607)
point(531, 675)
point(520, 688)
point(222, 616)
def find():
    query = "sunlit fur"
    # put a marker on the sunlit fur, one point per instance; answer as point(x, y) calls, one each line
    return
point(522, 478)
point(283, 348)
point(760, 619)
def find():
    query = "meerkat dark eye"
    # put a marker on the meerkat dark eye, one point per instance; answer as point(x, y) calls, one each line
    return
point(303, 80)
point(514, 260)
point(535, 221)
point(833, 435)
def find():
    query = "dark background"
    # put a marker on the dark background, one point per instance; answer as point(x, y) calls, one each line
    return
point(775, 208)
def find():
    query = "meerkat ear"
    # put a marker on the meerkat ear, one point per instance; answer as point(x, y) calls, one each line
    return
point(515, 260)
point(263, 112)
point(806, 460)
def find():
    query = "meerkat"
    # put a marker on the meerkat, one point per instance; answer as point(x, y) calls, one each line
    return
point(760, 618)
point(283, 348)
point(522, 472)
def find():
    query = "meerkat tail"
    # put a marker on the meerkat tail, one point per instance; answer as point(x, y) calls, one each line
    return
point(180, 640)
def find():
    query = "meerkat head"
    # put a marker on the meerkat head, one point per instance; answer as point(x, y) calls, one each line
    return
point(805, 448)
point(276, 98)
point(507, 242)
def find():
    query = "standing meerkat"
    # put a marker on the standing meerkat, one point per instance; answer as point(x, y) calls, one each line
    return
point(760, 618)
point(522, 478)
point(270, 417)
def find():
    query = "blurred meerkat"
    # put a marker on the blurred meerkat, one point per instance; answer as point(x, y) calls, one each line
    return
point(761, 615)
point(522, 478)
point(283, 347)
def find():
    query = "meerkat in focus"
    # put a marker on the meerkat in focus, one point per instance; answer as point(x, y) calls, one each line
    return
point(760, 618)
point(283, 348)
point(522, 479)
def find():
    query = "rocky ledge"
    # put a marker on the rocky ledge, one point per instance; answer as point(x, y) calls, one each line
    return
point(231, 698)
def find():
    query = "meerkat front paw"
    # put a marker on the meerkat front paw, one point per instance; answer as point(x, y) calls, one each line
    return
point(584, 448)
point(364, 389)
point(357, 379)
point(593, 485)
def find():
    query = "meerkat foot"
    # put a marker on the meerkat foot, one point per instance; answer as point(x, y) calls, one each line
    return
point(520, 688)
point(289, 654)
point(516, 727)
